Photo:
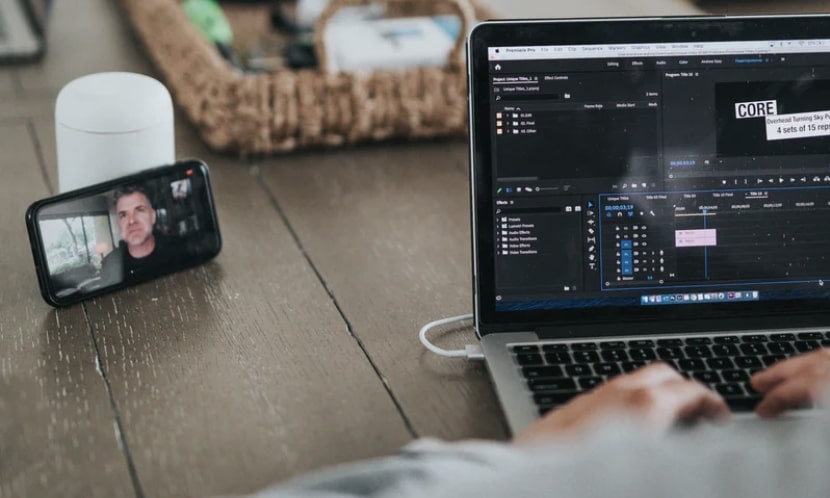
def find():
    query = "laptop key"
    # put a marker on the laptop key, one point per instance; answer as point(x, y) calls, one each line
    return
point(670, 343)
point(555, 398)
point(742, 403)
point(810, 336)
point(720, 363)
point(707, 377)
point(542, 372)
point(564, 384)
point(641, 343)
point(748, 362)
point(670, 353)
point(612, 345)
point(589, 382)
point(691, 365)
point(725, 350)
point(727, 339)
point(607, 369)
point(730, 390)
point(629, 366)
point(558, 358)
point(754, 338)
point(584, 346)
point(585, 356)
point(529, 359)
point(781, 348)
point(578, 370)
point(753, 349)
point(734, 376)
point(805, 346)
point(555, 348)
point(614, 355)
point(698, 341)
point(526, 348)
point(642, 354)
point(782, 337)
point(698, 351)
point(772, 359)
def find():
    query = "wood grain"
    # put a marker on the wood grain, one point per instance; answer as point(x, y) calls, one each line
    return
point(22, 107)
point(241, 372)
point(84, 36)
point(56, 426)
point(7, 82)
point(388, 229)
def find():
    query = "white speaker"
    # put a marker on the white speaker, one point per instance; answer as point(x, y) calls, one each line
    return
point(110, 125)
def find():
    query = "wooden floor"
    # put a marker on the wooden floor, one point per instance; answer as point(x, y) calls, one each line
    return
point(295, 349)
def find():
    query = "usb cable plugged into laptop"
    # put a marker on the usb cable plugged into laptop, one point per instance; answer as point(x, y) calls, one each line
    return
point(470, 351)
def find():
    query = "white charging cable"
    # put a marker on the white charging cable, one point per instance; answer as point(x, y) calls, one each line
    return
point(470, 351)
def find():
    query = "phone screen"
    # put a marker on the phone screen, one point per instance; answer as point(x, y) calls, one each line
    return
point(122, 232)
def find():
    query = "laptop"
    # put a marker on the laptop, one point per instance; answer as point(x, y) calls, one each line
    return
point(22, 29)
point(648, 189)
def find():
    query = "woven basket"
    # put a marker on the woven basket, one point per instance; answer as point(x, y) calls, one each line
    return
point(291, 109)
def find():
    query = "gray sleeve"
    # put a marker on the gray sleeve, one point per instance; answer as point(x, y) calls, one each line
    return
point(753, 460)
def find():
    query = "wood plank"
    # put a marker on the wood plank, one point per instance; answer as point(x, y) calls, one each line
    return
point(84, 36)
point(7, 80)
point(388, 229)
point(57, 434)
point(240, 372)
point(16, 106)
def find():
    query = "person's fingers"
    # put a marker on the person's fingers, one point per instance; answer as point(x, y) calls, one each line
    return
point(682, 399)
point(707, 404)
point(650, 375)
point(787, 395)
point(766, 380)
point(815, 364)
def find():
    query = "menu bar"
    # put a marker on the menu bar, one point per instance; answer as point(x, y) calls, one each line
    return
point(657, 49)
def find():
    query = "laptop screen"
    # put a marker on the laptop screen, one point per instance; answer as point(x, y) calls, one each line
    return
point(633, 168)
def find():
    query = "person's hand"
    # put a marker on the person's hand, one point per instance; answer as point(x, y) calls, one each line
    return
point(655, 394)
point(793, 383)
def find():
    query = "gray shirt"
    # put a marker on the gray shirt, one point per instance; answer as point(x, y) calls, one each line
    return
point(619, 459)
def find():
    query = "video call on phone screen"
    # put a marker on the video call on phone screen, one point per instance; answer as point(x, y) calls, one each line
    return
point(132, 232)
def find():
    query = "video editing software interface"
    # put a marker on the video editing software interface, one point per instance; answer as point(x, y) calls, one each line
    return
point(660, 174)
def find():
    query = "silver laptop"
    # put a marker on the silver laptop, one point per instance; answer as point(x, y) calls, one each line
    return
point(21, 29)
point(648, 189)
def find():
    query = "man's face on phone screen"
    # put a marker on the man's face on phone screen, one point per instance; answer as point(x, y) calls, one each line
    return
point(136, 218)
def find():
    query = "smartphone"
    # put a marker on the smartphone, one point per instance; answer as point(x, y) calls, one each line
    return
point(108, 236)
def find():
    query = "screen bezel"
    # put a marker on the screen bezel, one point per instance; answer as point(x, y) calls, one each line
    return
point(601, 31)
point(36, 239)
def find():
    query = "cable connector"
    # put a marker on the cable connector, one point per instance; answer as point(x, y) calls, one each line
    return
point(470, 351)
point(474, 352)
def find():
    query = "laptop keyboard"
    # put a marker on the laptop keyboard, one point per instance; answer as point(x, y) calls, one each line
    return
point(556, 372)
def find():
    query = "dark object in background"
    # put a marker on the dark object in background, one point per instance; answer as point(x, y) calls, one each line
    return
point(87, 242)
point(299, 53)
point(23, 30)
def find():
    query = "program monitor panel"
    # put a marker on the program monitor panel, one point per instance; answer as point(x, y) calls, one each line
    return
point(660, 174)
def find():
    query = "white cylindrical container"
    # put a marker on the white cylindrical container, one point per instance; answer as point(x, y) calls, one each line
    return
point(110, 125)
